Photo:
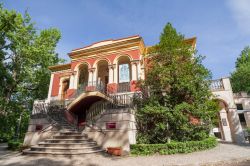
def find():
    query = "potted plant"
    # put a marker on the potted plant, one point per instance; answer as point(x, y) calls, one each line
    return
point(117, 151)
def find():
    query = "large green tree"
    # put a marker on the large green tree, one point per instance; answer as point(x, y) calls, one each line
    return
point(25, 54)
point(240, 78)
point(178, 84)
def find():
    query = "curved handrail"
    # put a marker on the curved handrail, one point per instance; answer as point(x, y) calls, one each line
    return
point(52, 111)
point(118, 101)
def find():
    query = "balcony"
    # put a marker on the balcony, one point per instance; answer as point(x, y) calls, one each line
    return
point(217, 85)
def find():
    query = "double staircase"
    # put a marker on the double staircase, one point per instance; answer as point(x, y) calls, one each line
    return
point(67, 142)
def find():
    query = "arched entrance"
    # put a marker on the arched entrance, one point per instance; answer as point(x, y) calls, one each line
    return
point(124, 74)
point(83, 102)
point(102, 74)
point(223, 128)
point(83, 75)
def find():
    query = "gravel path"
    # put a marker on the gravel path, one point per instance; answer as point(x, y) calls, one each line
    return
point(222, 155)
point(5, 153)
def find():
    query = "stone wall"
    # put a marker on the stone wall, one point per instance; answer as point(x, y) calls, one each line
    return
point(122, 135)
point(39, 129)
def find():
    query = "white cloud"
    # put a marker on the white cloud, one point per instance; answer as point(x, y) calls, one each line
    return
point(241, 13)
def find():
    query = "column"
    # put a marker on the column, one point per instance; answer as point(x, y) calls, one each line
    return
point(112, 85)
point(72, 81)
point(50, 86)
point(90, 79)
point(76, 78)
point(94, 76)
point(115, 68)
point(111, 74)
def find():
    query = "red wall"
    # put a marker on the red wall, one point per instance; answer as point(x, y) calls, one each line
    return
point(55, 85)
point(134, 54)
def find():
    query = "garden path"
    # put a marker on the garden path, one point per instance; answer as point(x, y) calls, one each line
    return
point(222, 155)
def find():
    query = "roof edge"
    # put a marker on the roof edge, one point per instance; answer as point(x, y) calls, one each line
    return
point(60, 67)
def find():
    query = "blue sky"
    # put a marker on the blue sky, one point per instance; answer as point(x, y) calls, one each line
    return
point(222, 27)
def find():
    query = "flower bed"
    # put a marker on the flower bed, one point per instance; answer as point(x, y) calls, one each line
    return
point(172, 148)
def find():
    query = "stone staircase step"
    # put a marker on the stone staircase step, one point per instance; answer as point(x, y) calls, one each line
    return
point(73, 145)
point(69, 130)
point(71, 133)
point(28, 152)
point(70, 137)
point(64, 149)
point(66, 140)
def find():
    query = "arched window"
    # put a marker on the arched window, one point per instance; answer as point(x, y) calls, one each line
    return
point(83, 75)
point(102, 74)
point(124, 74)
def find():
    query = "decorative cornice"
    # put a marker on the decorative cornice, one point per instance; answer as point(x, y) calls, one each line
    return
point(104, 54)
point(108, 40)
point(106, 48)
point(60, 67)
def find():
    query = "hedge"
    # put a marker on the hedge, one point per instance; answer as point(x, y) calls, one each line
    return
point(172, 148)
point(14, 145)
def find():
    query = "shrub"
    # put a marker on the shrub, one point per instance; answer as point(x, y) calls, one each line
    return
point(173, 148)
point(14, 145)
point(248, 130)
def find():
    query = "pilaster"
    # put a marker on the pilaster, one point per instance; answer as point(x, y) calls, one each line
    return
point(225, 126)
point(115, 73)
point(135, 71)
point(111, 73)
point(236, 129)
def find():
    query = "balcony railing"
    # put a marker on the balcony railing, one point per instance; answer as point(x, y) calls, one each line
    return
point(89, 87)
point(100, 87)
point(116, 102)
point(216, 85)
point(123, 87)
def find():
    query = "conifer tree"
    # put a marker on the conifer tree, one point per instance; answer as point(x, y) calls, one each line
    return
point(179, 92)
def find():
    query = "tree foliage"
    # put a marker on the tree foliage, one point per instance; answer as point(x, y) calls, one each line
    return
point(25, 54)
point(240, 78)
point(179, 92)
